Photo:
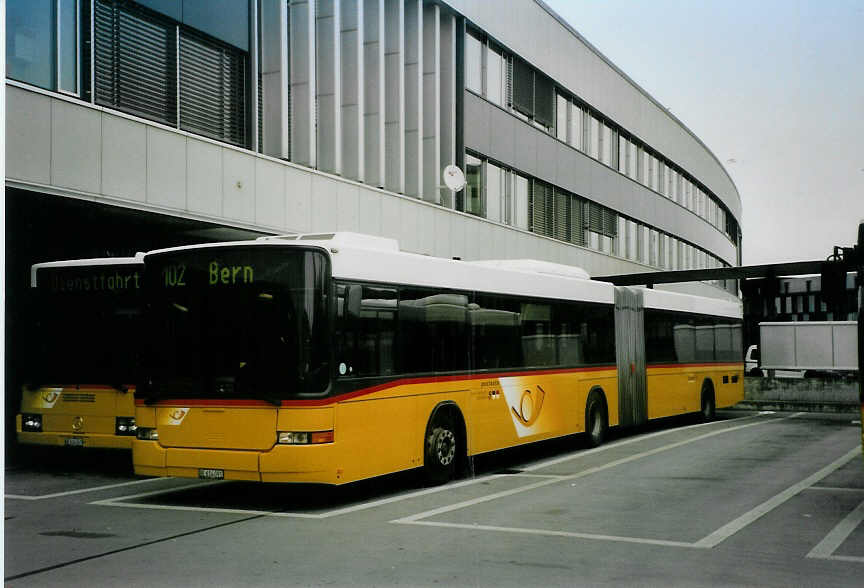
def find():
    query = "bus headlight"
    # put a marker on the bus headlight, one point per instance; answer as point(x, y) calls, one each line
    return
point(31, 423)
point(125, 426)
point(147, 434)
point(304, 438)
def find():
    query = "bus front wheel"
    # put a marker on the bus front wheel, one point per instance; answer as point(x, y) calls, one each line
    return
point(441, 450)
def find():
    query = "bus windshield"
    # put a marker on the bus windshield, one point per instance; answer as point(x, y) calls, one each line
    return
point(87, 325)
point(245, 321)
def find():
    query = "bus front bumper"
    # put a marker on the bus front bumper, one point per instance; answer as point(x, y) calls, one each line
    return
point(92, 441)
point(282, 463)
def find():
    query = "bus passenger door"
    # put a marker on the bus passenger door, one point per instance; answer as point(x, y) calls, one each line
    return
point(630, 357)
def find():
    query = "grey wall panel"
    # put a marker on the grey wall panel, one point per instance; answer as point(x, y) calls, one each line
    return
point(302, 55)
point(373, 87)
point(502, 133)
point(528, 30)
point(28, 129)
point(328, 60)
point(76, 147)
point(270, 202)
point(353, 79)
point(413, 97)
point(323, 204)
point(238, 186)
point(370, 212)
point(298, 199)
point(447, 64)
point(274, 77)
point(124, 158)
point(477, 124)
point(348, 207)
point(166, 169)
point(394, 92)
point(431, 165)
point(204, 177)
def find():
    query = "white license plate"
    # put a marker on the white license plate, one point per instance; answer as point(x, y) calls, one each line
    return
point(73, 442)
point(208, 474)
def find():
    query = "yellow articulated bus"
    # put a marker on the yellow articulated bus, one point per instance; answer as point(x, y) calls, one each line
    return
point(82, 363)
point(332, 358)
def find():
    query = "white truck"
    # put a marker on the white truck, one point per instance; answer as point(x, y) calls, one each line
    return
point(796, 349)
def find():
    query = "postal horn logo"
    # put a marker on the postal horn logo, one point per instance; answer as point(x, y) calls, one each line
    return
point(50, 396)
point(78, 424)
point(530, 405)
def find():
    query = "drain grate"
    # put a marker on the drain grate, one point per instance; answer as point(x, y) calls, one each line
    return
point(77, 534)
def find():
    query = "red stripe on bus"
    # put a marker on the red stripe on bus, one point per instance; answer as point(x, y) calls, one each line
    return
point(193, 402)
point(129, 387)
point(364, 391)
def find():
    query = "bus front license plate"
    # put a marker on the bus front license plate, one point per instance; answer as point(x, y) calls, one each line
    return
point(73, 442)
point(208, 474)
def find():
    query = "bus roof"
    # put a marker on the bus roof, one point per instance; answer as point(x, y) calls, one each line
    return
point(356, 256)
point(369, 258)
point(664, 300)
point(93, 261)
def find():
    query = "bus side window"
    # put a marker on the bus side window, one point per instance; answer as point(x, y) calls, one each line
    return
point(365, 334)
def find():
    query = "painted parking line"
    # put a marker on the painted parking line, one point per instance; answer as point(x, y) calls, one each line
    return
point(835, 538)
point(752, 515)
point(80, 491)
point(708, 542)
point(124, 501)
point(582, 474)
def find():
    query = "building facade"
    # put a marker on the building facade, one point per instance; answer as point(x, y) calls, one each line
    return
point(133, 125)
point(277, 116)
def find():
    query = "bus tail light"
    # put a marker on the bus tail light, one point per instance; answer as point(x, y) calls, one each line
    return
point(125, 426)
point(147, 434)
point(31, 423)
point(304, 438)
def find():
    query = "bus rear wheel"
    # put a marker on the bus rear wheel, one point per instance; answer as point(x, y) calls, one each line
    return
point(441, 450)
point(596, 423)
point(708, 409)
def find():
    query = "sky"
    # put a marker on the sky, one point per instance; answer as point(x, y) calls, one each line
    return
point(774, 88)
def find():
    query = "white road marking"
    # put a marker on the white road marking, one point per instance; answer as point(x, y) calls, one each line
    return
point(834, 489)
point(81, 491)
point(467, 503)
point(752, 515)
point(835, 538)
point(557, 533)
point(110, 501)
point(623, 442)
point(526, 472)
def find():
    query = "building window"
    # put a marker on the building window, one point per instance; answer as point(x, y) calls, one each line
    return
point(520, 202)
point(136, 60)
point(495, 75)
point(495, 193)
point(561, 104)
point(473, 63)
point(541, 206)
point(42, 43)
point(576, 124)
point(471, 200)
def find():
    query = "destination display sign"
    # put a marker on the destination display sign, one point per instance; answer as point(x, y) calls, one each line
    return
point(91, 279)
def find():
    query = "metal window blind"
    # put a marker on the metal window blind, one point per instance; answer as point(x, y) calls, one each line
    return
point(544, 100)
point(135, 62)
point(595, 217)
point(212, 89)
point(541, 208)
point(610, 222)
point(561, 217)
point(508, 80)
point(577, 223)
point(523, 87)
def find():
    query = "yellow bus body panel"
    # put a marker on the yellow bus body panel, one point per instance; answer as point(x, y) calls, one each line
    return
point(375, 433)
point(86, 413)
point(675, 390)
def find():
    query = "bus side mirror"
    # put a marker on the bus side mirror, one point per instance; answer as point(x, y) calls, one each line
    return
point(353, 298)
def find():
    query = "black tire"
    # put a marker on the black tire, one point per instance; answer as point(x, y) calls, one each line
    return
point(596, 420)
point(441, 450)
point(708, 407)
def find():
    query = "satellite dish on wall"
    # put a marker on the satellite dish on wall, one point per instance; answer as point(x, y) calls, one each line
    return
point(454, 179)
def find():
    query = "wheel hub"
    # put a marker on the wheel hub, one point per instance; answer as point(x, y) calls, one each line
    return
point(445, 447)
